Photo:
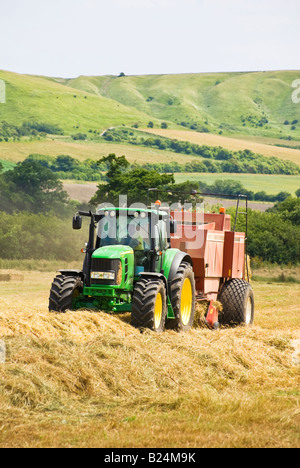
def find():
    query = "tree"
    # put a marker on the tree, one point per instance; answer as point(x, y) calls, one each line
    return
point(66, 163)
point(130, 181)
point(298, 193)
point(271, 237)
point(32, 187)
point(289, 210)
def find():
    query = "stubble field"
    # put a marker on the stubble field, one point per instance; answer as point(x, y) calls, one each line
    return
point(86, 379)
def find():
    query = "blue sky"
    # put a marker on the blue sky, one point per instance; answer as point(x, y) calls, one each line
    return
point(94, 37)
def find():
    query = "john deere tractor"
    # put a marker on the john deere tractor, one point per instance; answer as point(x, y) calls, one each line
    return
point(130, 267)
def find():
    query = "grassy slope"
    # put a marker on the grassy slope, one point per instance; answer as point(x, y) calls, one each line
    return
point(36, 98)
point(87, 379)
point(176, 98)
point(197, 98)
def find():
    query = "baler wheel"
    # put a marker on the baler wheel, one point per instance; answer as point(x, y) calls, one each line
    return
point(149, 305)
point(63, 291)
point(183, 299)
point(237, 299)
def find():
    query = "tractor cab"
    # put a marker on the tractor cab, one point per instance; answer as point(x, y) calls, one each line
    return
point(143, 231)
point(142, 234)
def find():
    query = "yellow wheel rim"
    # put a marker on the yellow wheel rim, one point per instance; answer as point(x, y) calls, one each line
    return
point(186, 301)
point(158, 310)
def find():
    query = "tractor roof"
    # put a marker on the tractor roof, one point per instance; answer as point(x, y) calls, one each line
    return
point(132, 210)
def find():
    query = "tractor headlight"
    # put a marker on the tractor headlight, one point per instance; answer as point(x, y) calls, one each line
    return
point(103, 275)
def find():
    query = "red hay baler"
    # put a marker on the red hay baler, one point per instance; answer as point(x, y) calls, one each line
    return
point(219, 258)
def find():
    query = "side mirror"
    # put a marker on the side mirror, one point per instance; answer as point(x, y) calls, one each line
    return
point(77, 222)
point(173, 226)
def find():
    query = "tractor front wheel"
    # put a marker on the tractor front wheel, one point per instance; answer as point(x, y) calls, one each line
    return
point(63, 291)
point(149, 305)
point(183, 297)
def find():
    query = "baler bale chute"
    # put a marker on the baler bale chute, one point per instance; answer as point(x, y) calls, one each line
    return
point(143, 261)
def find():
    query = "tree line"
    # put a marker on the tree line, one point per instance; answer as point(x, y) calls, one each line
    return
point(35, 216)
point(214, 159)
point(66, 167)
point(33, 129)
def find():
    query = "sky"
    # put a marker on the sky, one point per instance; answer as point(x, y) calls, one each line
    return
point(68, 38)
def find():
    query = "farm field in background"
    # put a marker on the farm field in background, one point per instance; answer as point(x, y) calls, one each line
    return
point(231, 143)
point(86, 379)
point(271, 184)
point(20, 150)
point(54, 146)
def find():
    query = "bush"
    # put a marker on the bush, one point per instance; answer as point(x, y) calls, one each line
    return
point(271, 237)
point(31, 236)
point(28, 129)
point(79, 136)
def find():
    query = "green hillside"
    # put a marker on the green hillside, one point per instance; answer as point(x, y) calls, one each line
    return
point(257, 104)
point(30, 98)
point(250, 104)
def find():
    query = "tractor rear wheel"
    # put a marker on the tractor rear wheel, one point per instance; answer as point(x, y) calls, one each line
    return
point(149, 305)
point(63, 291)
point(237, 299)
point(183, 299)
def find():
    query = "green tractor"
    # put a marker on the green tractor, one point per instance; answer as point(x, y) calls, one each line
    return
point(130, 267)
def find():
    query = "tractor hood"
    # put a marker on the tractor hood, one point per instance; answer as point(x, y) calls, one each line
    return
point(113, 252)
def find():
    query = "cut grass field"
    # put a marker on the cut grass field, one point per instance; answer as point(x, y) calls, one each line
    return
point(233, 144)
point(87, 379)
point(20, 150)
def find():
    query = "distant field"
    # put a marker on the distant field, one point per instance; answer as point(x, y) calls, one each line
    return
point(20, 150)
point(233, 144)
point(271, 184)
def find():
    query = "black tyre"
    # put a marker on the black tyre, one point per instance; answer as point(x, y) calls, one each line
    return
point(183, 299)
point(63, 291)
point(149, 305)
point(237, 299)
